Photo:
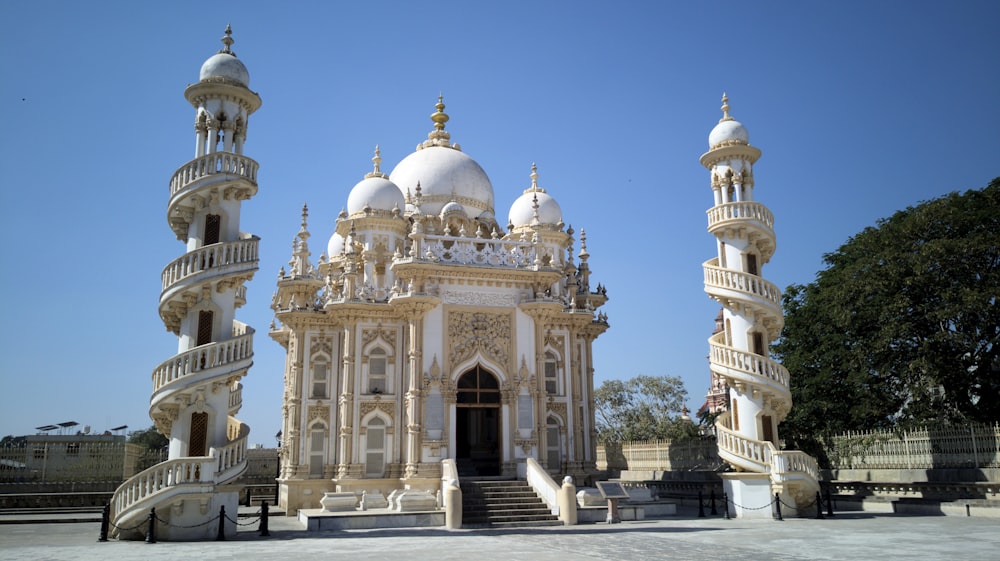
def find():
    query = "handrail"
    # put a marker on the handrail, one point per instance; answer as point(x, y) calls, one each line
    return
point(739, 281)
point(759, 368)
point(756, 453)
point(740, 211)
point(449, 473)
point(211, 164)
point(543, 484)
point(205, 357)
point(209, 257)
point(162, 476)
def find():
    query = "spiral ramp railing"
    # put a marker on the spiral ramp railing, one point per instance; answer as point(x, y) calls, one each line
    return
point(208, 368)
point(792, 471)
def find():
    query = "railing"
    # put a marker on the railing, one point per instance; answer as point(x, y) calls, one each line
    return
point(449, 473)
point(209, 257)
point(154, 480)
point(960, 446)
point(746, 210)
point(793, 464)
point(754, 365)
point(754, 455)
point(236, 397)
point(746, 283)
point(205, 357)
point(232, 457)
point(659, 455)
point(211, 164)
point(543, 484)
point(484, 252)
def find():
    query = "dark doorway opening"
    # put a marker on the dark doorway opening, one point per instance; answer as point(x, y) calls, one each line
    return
point(477, 430)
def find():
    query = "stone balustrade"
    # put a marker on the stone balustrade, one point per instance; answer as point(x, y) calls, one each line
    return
point(205, 357)
point(484, 252)
point(730, 213)
point(211, 164)
point(751, 285)
point(758, 369)
point(210, 257)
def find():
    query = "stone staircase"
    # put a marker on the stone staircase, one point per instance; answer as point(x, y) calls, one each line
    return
point(503, 504)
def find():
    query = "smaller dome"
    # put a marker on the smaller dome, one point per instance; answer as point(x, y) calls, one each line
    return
point(728, 131)
point(522, 212)
point(335, 246)
point(224, 64)
point(377, 192)
point(227, 66)
point(452, 207)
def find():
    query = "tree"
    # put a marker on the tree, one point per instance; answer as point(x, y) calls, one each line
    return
point(641, 408)
point(902, 327)
point(154, 444)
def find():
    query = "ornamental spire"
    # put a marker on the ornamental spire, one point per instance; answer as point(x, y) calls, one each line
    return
point(725, 108)
point(227, 41)
point(438, 136)
point(377, 161)
point(534, 181)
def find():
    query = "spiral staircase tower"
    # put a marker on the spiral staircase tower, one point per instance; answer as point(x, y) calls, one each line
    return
point(197, 392)
point(759, 394)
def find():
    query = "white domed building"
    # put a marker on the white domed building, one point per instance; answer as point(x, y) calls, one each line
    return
point(429, 341)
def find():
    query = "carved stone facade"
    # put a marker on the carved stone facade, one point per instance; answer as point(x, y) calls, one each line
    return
point(434, 333)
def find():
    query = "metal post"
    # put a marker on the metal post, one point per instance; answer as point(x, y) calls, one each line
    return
point(263, 519)
point(151, 529)
point(712, 498)
point(829, 503)
point(819, 507)
point(221, 535)
point(777, 506)
point(105, 523)
point(247, 503)
point(725, 504)
point(701, 506)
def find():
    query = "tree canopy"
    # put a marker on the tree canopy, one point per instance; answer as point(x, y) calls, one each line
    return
point(902, 327)
point(641, 408)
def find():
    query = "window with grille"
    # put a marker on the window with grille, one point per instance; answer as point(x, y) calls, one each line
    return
point(551, 374)
point(376, 371)
point(375, 448)
point(197, 445)
point(205, 320)
point(213, 225)
point(317, 440)
point(554, 451)
point(319, 379)
point(752, 264)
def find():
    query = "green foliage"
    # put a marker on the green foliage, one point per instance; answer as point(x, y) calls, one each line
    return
point(902, 326)
point(11, 441)
point(642, 408)
point(149, 438)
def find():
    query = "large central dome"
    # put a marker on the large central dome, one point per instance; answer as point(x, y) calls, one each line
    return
point(444, 173)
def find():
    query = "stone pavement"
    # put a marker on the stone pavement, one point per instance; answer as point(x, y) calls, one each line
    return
point(850, 535)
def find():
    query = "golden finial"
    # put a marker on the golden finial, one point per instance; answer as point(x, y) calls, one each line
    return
point(228, 41)
point(440, 117)
point(725, 108)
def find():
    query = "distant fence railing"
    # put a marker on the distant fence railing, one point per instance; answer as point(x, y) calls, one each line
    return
point(658, 455)
point(965, 446)
point(65, 461)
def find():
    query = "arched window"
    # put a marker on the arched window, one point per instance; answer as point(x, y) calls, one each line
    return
point(375, 448)
point(478, 386)
point(551, 374)
point(317, 447)
point(376, 371)
point(553, 454)
point(320, 375)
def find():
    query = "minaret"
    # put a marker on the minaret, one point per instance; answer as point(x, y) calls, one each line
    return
point(197, 392)
point(759, 395)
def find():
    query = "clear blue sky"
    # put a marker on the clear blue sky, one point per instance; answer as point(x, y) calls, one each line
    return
point(860, 108)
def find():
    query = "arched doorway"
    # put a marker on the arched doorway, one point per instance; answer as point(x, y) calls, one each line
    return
point(477, 430)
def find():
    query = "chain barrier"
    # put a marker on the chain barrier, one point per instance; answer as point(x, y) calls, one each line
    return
point(169, 525)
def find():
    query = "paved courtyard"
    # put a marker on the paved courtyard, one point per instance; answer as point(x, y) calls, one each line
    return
point(855, 536)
